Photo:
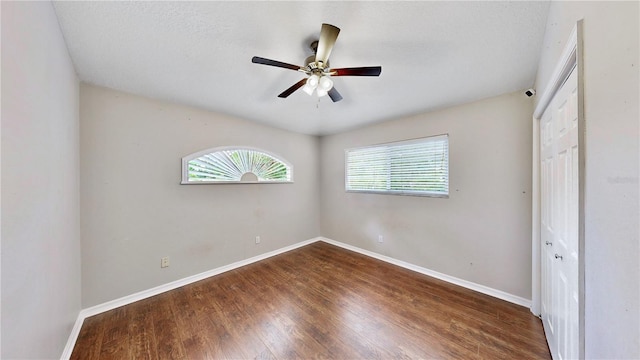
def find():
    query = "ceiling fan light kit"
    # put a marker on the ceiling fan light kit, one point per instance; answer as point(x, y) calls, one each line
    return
point(317, 67)
point(321, 84)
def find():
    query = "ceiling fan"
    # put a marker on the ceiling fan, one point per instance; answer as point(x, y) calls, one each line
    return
point(317, 67)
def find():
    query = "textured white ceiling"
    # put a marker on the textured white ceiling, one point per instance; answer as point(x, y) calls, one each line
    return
point(433, 54)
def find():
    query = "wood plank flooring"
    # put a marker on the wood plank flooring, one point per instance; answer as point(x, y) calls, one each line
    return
point(318, 301)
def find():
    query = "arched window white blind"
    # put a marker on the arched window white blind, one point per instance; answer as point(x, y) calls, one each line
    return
point(234, 165)
point(414, 167)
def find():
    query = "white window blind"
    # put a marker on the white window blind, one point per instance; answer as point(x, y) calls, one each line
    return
point(414, 167)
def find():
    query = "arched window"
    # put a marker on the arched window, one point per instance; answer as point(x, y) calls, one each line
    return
point(225, 165)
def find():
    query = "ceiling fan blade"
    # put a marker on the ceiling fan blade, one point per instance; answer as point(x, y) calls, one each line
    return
point(328, 36)
point(334, 95)
point(263, 61)
point(358, 71)
point(293, 88)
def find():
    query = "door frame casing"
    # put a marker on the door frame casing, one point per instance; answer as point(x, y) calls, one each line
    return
point(572, 57)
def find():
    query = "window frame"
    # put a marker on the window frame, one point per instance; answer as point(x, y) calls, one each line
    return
point(399, 192)
point(186, 159)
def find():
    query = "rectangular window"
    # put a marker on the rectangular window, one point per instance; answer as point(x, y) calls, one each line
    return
point(414, 167)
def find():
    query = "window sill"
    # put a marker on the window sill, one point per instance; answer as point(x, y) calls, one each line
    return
point(232, 182)
point(402, 193)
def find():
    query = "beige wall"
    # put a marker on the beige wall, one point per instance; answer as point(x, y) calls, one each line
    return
point(134, 210)
point(482, 232)
point(612, 251)
point(40, 184)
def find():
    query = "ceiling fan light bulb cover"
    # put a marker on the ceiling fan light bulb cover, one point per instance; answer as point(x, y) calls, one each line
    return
point(308, 89)
point(325, 83)
point(321, 92)
point(313, 81)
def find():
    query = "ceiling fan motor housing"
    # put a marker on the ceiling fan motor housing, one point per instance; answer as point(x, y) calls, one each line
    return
point(311, 66)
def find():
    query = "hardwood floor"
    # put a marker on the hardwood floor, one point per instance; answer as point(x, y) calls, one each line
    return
point(318, 301)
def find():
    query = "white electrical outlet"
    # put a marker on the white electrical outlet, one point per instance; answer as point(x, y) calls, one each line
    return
point(380, 238)
point(257, 239)
point(164, 262)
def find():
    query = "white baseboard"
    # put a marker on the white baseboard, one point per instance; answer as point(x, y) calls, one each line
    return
point(110, 305)
point(450, 279)
point(71, 342)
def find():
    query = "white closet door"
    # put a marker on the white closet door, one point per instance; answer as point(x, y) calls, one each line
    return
point(559, 220)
